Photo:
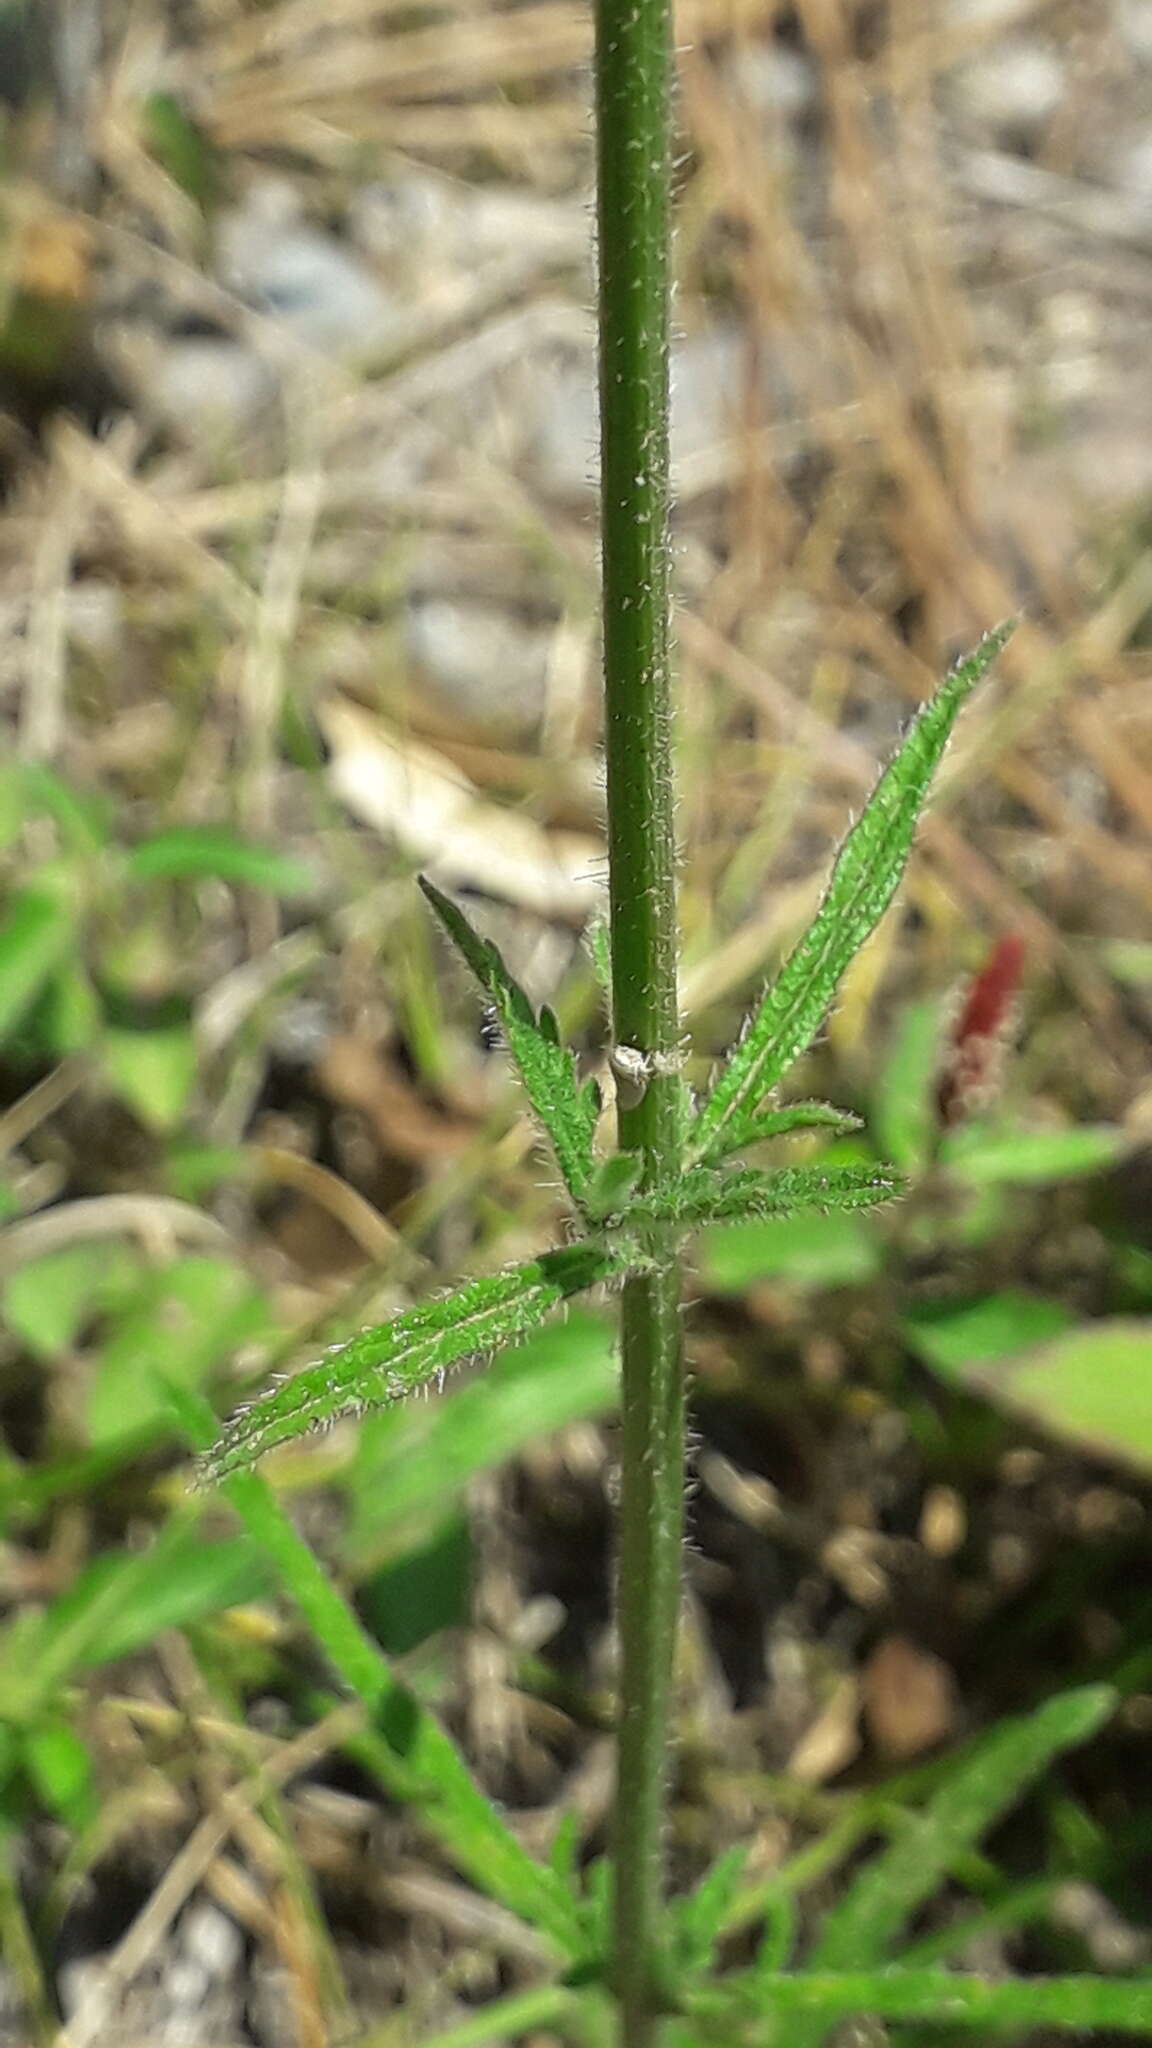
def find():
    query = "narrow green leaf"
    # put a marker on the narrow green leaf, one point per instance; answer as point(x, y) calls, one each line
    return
point(699, 1919)
point(988, 1781)
point(864, 881)
point(749, 2017)
point(385, 1364)
point(904, 1112)
point(192, 852)
point(121, 1602)
point(991, 1158)
point(405, 1744)
point(744, 1131)
point(35, 937)
point(568, 1109)
point(704, 1196)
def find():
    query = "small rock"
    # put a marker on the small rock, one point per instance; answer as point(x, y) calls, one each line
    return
point(773, 79)
point(909, 1698)
point(1013, 90)
point(1134, 27)
point(210, 386)
point(211, 1939)
point(432, 225)
point(489, 666)
point(1128, 162)
point(96, 619)
point(299, 274)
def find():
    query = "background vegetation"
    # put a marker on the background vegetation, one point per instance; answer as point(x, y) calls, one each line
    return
point(297, 593)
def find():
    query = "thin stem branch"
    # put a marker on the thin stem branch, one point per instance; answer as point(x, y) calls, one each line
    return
point(633, 65)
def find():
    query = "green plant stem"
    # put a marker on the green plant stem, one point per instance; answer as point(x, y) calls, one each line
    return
point(633, 65)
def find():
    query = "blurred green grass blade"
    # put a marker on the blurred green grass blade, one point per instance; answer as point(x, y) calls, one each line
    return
point(864, 880)
point(425, 1455)
point(154, 1072)
point(36, 934)
point(567, 1108)
point(903, 1112)
point(47, 1302)
point(421, 1762)
point(199, 852)
point(187, 1319)
point(818, 1999)
point(981, 1157)
point(698, 1920)
point(984, 1784)
point(384, 1365)
point(29, 789)
point(120, 1603)
point(521, 2014)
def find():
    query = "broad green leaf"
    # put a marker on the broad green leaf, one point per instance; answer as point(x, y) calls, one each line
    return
point(416, 1461)
point(154, 1072)
point(958, 1339)
point(1091, 1384)
point(35, 937)
point(864, 881)
point(195, 851)
point(188, 1320)
point(838, 1250)
point(783, 2011)
point(986, 1158)
point(568, 1108)
point(781, 1123)
point(386, 1364)
point(59, 1766)
point(47, 1301)
point(903, 1111)
point(984, 1784)
point(68, 1016)
point(702, 1195)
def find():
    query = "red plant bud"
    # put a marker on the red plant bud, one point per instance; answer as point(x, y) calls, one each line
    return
point(970, 1076)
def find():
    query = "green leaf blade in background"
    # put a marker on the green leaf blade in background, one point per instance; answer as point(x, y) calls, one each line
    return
point(989, 1158)
point(211, 852)
point(36, 936)
point(1089, 1383)
point(864, 880)
point(568, 1109)
point(980, 1787)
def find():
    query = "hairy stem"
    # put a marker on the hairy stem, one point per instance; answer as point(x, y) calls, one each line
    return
point(633, 63)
